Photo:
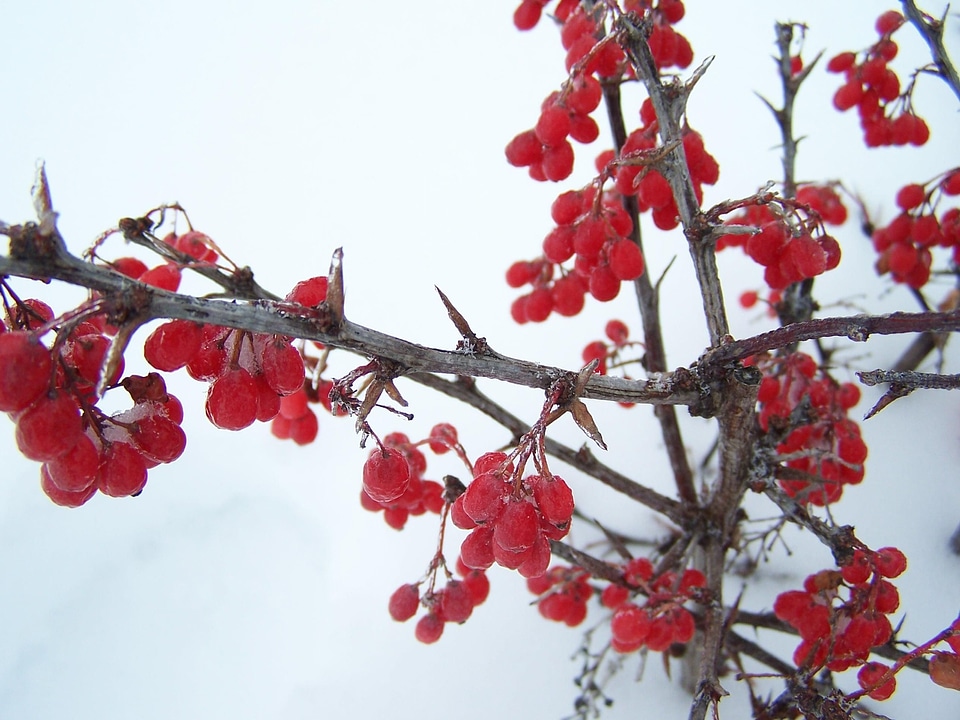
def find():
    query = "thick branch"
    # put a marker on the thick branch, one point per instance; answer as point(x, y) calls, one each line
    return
point(669, 103)
point(48, 259)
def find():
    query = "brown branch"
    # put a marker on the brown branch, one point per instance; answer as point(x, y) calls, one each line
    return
point(912, 380)
point(931, 31)
point(669, 102)
point(857, 328)
point(648, 299)
point(46, 258)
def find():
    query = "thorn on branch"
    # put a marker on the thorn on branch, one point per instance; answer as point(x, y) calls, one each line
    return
point(334, 297)
point(470, 344)
point(902, 383)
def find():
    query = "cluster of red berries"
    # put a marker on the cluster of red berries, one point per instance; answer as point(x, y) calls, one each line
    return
point(618, 335)
point(905, 243)
point(51, 395)
point(662, 620)
point(453, 603)
point(789, 243)
point(598, 235)
point(650, 187)
point(393, 476)
point(562, 594)
point(249, 373)
point(841, 615)
point(874, 89)
point(510, 520)
point(820, 443)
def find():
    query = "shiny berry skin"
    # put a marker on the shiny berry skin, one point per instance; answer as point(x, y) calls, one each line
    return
point(386, 475)
point(25, 366)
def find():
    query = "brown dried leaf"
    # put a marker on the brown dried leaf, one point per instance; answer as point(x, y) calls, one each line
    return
point(583, 418)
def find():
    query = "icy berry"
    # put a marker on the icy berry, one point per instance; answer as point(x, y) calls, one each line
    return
point(386, 475)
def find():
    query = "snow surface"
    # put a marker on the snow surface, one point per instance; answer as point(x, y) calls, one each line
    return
point(246, 581)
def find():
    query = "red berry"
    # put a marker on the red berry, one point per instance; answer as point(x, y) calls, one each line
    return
point(525, 149)
point(617, 331)
point(309, 293)
point(282, 366)
point(554, 500)
point(122, 472)
point(527, 15)
point(890, 562)
point(232, 400)
point(76, 470)
point(630, 624)
point(25, 370)
point(456, 602)
point(404, 602)
point(911, 196)
point(159, 438)
point(386, 475)
point(517, 527)
point(870, 674)
point(165, 277)
point(842, 62)
point(64, 498)
point(50, 427)
point(173, 344)
point(888, 22)
point(626, 260)
point(429, 629)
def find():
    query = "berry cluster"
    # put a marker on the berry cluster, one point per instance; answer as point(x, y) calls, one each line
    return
point(841, 615)
point(393, 477)
point(905, 243)
point(562, 594)
point(452, 603)
point(790, 242)
point(886, 115)
point(249, 373)
point(51, 394)
point(662, 620)
point(821, 447)
point(634, 176)
point(511, 520)
point(596, 230)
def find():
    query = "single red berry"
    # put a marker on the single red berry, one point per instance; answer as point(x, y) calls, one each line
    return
point(841, 62)
point(617, 331)
point(404, 602)
point(911, 196)
point(429, 629)
point(888, 22)
point(25, 370)
point(64, 498)
point(165, 277)
point(172, 345)
point(517, 527)
point(122, 472)
point(386, 475)
point(630, 624)
point(49, 427)
point(870, 674)
point(890, 562)
point(232, 400)
point(456, 602)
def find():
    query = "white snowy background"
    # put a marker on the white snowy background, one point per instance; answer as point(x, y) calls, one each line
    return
point(246, 581)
